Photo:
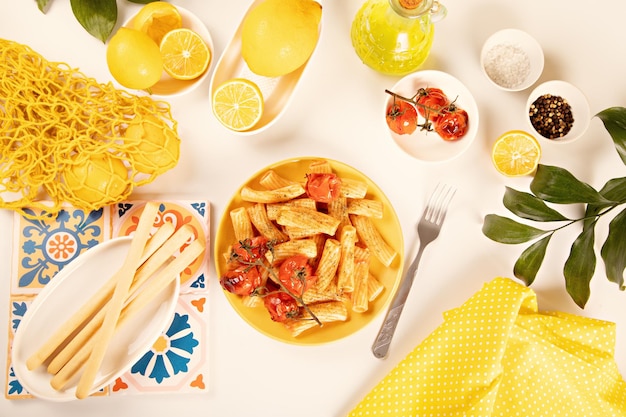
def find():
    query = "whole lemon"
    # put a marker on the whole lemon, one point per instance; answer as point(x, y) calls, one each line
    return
point(99, 179)
point(279, 36)
point(134, 59)
point(158, 147)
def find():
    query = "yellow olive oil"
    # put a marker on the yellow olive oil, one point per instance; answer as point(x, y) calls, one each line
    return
point(388, 41)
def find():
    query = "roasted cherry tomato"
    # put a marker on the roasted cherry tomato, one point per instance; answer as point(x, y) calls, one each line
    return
point(433, 98)
point(402, 117)
point(452, 124)
point(281, 306)
point(241, 280)
point(296, 275)
point(248, 250)
point(323, 187)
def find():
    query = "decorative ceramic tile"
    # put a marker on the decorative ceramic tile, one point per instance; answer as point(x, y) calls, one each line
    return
point(17, 308)
point(43, 247)
point(177, 361)
point(178, 213)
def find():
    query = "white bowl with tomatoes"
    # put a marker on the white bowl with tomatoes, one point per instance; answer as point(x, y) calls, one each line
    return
point(431, 116)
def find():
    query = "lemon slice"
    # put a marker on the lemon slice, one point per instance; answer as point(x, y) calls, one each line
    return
point(156, 19)
point(516, 153)
point(238, 104)
point(185, 54)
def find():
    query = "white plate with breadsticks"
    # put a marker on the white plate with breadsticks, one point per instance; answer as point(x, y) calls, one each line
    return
point(102, 312)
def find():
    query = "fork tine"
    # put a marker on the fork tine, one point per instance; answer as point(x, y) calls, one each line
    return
point(437, 205)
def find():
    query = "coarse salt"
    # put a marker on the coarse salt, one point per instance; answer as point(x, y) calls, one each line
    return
point(507, 65)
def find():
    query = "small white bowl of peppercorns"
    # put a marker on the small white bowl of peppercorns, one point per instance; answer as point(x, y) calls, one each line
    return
point(558, 112)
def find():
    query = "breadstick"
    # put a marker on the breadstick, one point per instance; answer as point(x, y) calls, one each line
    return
point(153, 263)
point(157, 285)
point(95, 303)
point(125, 276)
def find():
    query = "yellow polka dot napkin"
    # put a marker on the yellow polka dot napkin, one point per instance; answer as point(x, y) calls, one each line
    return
point(496, 355)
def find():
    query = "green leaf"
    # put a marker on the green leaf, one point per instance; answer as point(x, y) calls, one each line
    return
point(504, 230)
point(530, 260)
point(580, 265)
point(557, 185)
point(614, 189)
point(98, 17)
point(614, 119)
point(614, 250)
point(42, 4)
point(527, 206)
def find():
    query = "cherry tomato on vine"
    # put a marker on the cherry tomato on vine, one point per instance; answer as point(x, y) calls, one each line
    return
point(296, 274)
point(248, 250)
point(433, 98)
point(281, 306)
point(452, 124)
point(241, 280)
point(402, 117)
point(323, 187)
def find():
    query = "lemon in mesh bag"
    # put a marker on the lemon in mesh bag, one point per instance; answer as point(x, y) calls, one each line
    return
point(98, 179)
point(157, 149)
point(66, 138)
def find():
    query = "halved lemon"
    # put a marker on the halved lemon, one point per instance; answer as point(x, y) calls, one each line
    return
point(185, 54)
point(156, 19)
point(516, 153)
point(238, 104)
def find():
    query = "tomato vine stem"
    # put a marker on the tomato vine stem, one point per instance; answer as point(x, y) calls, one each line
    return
point(259, 263)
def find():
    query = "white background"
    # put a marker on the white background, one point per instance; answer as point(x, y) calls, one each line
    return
point(338, 113)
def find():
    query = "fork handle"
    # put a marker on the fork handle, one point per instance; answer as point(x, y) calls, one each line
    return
point(380, 347)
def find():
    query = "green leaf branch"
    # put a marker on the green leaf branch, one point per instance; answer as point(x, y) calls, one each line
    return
point(556, 185)
point(97, 17)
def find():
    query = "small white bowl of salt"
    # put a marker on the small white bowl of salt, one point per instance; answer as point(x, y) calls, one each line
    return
point(512, 59)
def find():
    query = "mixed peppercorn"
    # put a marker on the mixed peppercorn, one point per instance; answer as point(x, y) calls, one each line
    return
point(551, 116)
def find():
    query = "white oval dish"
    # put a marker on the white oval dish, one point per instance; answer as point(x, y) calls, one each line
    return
point(170, 87)
point(427, 146)
point(62, 297)
point(277, 91)
point(506, 53)
point(578, 104)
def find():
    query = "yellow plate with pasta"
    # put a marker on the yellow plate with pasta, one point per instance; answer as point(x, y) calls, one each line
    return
point(353, 244)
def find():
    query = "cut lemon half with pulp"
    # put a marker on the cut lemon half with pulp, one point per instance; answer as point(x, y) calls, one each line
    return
point(516, 153)
point(238, 104)
point(156, 19)
point(185, 54)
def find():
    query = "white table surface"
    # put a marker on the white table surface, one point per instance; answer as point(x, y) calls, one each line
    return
point(337, 113)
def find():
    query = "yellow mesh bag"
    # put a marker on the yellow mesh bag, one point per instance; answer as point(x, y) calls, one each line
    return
point(65, 138)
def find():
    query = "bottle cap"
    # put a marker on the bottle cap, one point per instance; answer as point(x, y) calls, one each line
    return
point(410, 4)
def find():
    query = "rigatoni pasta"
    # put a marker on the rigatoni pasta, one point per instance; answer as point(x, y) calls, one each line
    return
point(333, 232)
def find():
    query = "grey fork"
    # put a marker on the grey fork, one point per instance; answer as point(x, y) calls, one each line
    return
point(427, 229)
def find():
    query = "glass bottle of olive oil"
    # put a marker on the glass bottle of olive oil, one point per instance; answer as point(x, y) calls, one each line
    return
point(395, 36)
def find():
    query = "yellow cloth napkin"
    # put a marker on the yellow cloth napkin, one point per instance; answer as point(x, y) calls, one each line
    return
point(496, 355)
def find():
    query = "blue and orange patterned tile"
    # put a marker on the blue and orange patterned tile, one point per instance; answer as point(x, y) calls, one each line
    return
point(18, 307)
point(43, 247)
point(177, 361)
point(193, 213)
